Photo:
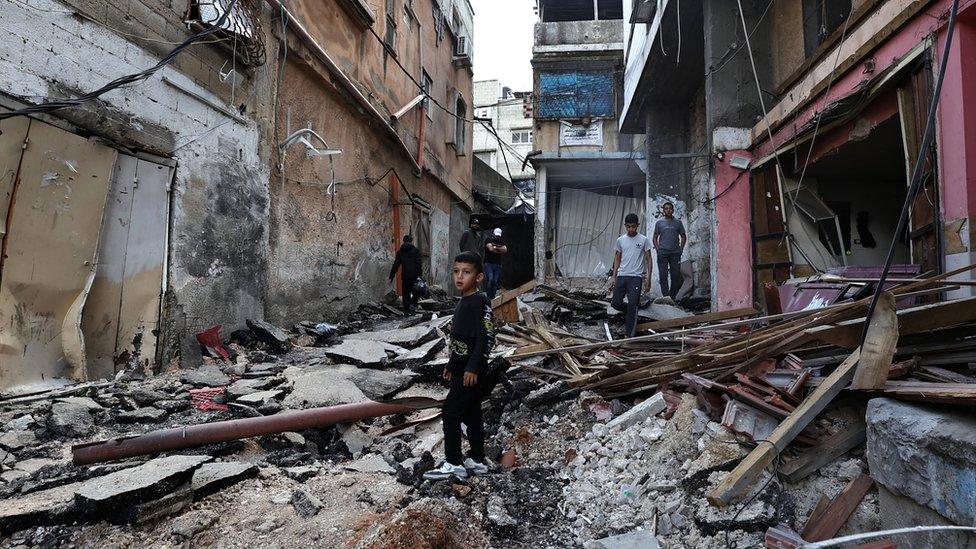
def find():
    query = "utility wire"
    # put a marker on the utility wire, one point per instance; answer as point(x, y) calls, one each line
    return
point(51, 106)
point(917, 172)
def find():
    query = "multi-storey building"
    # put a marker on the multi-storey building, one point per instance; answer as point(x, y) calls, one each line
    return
point(503, 134)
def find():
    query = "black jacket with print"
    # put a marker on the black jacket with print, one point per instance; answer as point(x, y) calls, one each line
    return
point(472, 334)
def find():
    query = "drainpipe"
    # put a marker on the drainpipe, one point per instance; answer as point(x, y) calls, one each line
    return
point(179, 438)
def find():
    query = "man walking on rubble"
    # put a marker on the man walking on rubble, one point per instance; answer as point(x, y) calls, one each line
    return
point(408, 256)
point(472, 240)
point(669, 241)
point(631, 271)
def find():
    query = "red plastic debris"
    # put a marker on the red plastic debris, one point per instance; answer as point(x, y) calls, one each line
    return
point(203, 399)
point(210, 338)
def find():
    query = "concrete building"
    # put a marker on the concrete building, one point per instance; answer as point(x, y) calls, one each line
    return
point(810, 175)
point(510, 116)
point(588, 175)
point(214, 190)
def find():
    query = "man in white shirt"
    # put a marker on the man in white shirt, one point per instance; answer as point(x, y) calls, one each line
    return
point(631, 271)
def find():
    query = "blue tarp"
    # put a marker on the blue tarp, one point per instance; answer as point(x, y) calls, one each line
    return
point(576, 94)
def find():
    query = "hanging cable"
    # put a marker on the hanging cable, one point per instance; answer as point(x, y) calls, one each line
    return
point(51, 106)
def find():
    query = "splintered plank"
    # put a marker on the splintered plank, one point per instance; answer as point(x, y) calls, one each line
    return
point(879, 346)
point(696, 319)
point(834, 517)
point(826, 452)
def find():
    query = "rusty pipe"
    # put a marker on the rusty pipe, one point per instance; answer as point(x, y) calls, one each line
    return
point(178, 438)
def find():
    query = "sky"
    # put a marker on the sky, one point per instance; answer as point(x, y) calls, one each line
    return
point(503, 41)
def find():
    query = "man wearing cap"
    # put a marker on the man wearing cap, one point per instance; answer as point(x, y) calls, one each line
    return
point(494, 248)
point(631, 271)
point(472, 240)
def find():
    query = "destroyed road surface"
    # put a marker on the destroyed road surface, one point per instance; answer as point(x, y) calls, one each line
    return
point(642, 442)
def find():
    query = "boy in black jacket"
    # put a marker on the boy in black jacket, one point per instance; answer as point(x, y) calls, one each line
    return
point(472, 337)
point(409, 257)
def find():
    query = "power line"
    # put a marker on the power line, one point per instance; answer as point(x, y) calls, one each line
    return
point(51, 106)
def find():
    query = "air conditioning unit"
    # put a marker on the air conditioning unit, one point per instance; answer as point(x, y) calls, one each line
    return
point(462, 48)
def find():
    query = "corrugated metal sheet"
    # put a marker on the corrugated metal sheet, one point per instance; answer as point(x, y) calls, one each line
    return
point(587, 226)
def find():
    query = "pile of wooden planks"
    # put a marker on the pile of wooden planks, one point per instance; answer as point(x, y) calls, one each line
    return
point(768, 377)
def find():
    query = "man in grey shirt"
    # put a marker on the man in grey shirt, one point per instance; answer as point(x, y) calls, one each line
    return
point(631, 271)
point(669, 240)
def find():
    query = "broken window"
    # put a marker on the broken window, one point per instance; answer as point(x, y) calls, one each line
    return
point(241, 30)
point(820, 19)
point(575, 94)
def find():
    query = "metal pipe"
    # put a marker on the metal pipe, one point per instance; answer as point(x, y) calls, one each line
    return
point(179, 438)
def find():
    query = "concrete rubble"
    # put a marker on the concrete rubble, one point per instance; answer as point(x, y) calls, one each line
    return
point(587, 470)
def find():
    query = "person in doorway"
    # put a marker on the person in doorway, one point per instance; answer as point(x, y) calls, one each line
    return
point(472, 240)
point(467, 372)
point(494, 249)
point(631, 274)
point(669, 241)
point(408, 257)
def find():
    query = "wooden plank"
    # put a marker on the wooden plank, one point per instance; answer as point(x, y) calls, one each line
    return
point(745, 474)
point(914, 320)
point(509, 295)
point(507, 311)
point(879, 346)
point(816, 514)
point(840, 510)
point(696, 319)
point(571, 363)
point(824, 453)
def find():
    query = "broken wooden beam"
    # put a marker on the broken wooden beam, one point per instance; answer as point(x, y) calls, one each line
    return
point(510, 295)
point(745, 474)
point(879, 346)
point(696, 319)
point(834, 517)
point(824, 453)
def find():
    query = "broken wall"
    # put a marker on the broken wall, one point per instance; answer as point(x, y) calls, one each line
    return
point(217, 253)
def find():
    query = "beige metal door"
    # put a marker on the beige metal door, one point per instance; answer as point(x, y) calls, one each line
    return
point(122, 312)
point(53, 224)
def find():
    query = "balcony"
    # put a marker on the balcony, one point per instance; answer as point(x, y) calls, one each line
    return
point(558, 38)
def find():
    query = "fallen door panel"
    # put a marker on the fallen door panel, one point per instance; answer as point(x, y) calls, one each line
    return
point(100, 322)
point(145, 253)
point(51, 247)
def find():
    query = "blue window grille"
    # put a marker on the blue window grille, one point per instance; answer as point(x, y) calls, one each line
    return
point(576, 95)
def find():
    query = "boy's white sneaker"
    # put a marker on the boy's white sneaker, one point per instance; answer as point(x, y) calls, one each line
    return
point(474, 467)
point(446, 470)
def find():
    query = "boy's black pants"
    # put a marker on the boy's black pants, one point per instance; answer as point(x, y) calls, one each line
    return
point(463, 405)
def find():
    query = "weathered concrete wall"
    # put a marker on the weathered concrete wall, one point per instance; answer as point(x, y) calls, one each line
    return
point(578, 33)
point(218, 250)
point(493, 186)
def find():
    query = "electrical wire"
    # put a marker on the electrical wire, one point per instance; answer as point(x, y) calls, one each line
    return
point(735, 51)
point(51, 106)
point(917, 172)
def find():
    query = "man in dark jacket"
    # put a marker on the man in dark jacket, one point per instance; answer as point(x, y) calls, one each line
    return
point(408, 256)
point(472, 240)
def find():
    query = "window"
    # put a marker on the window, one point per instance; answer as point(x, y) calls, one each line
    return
point(576, 95)
point(241, 30)
point(820, 19)
point(522, 137)
point(460, 126)
point(391, 26)
point(425, 85)
point(438, 23)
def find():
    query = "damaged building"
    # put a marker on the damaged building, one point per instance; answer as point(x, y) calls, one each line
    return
point(267, 170)
point(809, 174)
point(588, 174)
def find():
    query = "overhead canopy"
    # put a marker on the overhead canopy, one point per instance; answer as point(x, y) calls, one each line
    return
point(596, 172)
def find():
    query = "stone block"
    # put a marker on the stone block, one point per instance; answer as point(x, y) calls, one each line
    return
point(925, 453)
point(211, 477)
point(648, 408)
point(137, 485)
point(45, 507)
point(902, 512)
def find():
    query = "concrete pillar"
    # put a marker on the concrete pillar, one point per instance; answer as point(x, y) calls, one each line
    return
point(540, 224)
point(957, 150)
point(732, 284)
